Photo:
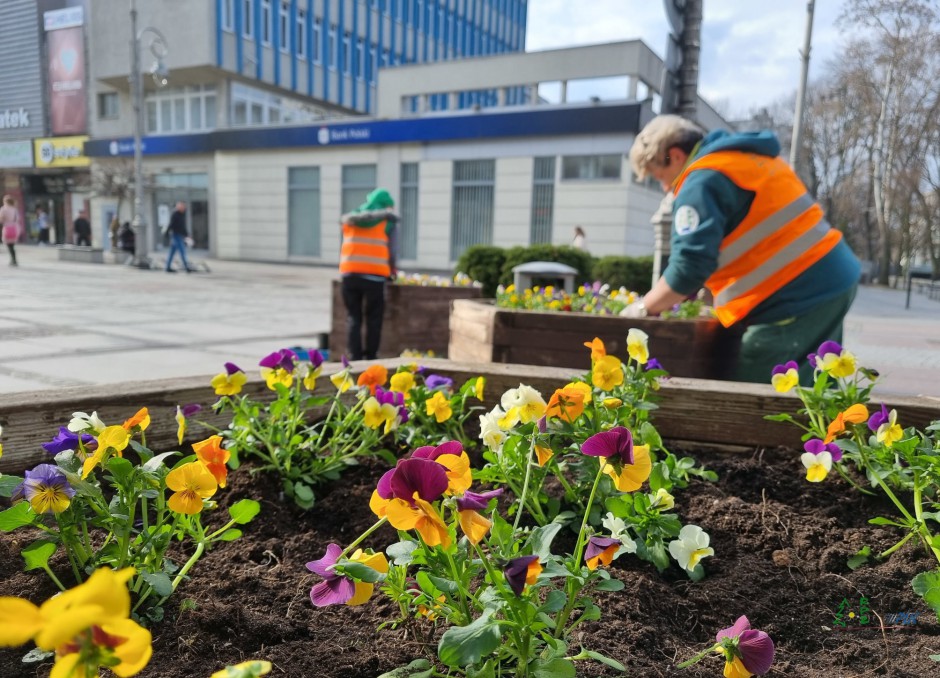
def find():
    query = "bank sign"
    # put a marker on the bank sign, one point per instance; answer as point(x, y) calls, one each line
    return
point(61, 152)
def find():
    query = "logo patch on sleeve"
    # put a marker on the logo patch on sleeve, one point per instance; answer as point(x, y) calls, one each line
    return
point(686, 220)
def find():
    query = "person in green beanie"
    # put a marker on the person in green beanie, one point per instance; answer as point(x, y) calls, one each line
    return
point(366, 262)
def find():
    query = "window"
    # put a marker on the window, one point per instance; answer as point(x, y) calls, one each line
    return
point(331, 47)
point(317, 31)
point(228, 15)
point(283, 27)
point(591, 167)
point(358, 182)
point(248, 15)
point(472, 211)
point(347, 57)
point(266, 22)
point(303, 211)
point(543, 198)
point(301, 33)
point(408, 199)
point(360, 57)
point(108, 105)
point(189, 109)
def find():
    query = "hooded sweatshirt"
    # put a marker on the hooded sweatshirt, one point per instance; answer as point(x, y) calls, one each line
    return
point(377, 208)
point(721, 205)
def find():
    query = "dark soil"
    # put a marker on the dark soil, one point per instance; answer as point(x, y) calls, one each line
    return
point(780, 557)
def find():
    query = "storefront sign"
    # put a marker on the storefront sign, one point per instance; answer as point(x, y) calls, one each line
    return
point(16, 154)
point(67, 80)
point(61, 152)
point(13, 118)
point(63, 18)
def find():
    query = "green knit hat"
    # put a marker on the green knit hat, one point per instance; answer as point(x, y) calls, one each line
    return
point(379, 199)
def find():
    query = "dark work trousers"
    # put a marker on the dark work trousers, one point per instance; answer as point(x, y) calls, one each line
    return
point(359, 292)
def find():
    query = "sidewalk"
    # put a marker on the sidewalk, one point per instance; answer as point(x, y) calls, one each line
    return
point(65, 324)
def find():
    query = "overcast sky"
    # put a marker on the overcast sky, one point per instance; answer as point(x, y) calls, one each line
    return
point(750, 48)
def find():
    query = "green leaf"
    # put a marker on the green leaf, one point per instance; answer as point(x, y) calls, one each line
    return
point(559, 667)
point(541, 540)
point(120, 468)
point(884, 521)
point(604, 659)
point(778, 417)
point(16, 516)
point(488, 670)
point(401, 552)
point(230, 535)
point(37, 554)
point(8, 484)
point(445, 585)
point(591, 613)
point(303, 496)
point(935, 657)
point(860, 558)
point(419, 668)
point(554, 601)
point(244, 511)
point(159, 581)
point(610, 585)
point(697, 573)
point(157, 461)
point(464, 645)
point(927, 586)
point(362, 572)
point(36, 655)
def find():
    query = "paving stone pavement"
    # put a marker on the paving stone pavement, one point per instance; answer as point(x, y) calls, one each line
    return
point(67, 324)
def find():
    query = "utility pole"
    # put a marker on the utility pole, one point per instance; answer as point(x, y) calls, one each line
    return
point(797, 139)
point(684, 44)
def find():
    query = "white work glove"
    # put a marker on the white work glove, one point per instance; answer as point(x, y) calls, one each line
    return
point(634, 310)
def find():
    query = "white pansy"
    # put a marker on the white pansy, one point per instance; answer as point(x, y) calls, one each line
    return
point(86, 422)
point(490, 432)
point(662, 500)
point(690, 547)
point(618, 530)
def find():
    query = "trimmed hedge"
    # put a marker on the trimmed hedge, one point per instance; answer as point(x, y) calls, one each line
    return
point(483, 263)
point(634, 273)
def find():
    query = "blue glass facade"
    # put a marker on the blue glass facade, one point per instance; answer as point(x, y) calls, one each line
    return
point(332, 49)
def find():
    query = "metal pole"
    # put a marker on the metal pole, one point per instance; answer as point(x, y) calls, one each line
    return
point(691, 41)
point(142, 239)
point(797, 139)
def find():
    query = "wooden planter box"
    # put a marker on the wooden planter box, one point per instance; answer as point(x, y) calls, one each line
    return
point(481, 332)
point(415, 318)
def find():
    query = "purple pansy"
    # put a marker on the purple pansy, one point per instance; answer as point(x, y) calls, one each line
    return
point(824, 348)
point(516, 572)
point(755, 647)
point(284, 359)
point(67, 440)
point(597, 545)
point(476, 501)
point(542, 424)
point(190, 409)
point(315, 357)
point(232, 368)
point(653, 364)
point(46, 488)
point(335, 589)
point(393, 398)
point(422, 476)
point(815, 446)
point(878, 418)
point(618, 441)
point(436, 381)
point(450, 447)
point(786, 367)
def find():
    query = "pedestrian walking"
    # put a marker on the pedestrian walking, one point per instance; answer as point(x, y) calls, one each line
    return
point(42, 225)
point(367, 261)
point(178, 235)
point(82, 229)
point(745, 227)
point(10, 218)
point(579, 242)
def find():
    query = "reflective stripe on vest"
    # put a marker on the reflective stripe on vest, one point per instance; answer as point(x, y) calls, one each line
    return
point(782, 235)
point(365, 250)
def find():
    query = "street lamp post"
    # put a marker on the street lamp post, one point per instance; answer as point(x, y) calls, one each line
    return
point(158, 47)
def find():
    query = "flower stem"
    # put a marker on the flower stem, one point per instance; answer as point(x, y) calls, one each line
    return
point(363, 536)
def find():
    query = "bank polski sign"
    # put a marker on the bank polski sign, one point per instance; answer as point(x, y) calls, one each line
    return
point(61, 152)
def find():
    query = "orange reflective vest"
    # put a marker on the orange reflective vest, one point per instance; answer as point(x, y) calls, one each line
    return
point(782, 235)
point(365, 250)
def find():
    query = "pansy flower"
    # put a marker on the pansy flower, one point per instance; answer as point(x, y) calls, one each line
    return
point(855, 414)
point(598, 349)
point(278, 368)
point(402, 382)
point(68, 440)
point(662, 500)
point(191, 483)
point(653, 364)
point(521, 571)
point(395, 399)
point(469, 505)
point(372, 377)
point(566, 403)
point(523, 404)
point(543, 455)
point(818, 458)
point(745, 648)
point(111, 438)
point(690, 547)
point(314, 368)
point(490, 432)
point(335, 589)
point(182, 414)
point(229, 382)
point(375, 414)
point(832, 358)
point(878, 418)
point(629, 466)
point(404, 496)
point(889, 431)
point(140, 420)
point(600, 551)
point(785, 377)
point(45, 488)
point(253, 668)
point(439, 407)
point(89, 423)
point(437, 382)
point(452, 457)
point(341, 380)
point(478, 387)
point(607, 372)
point(638, 346)
point(214, 457)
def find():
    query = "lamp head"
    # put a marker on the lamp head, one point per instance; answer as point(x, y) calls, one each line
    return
point(160, 73)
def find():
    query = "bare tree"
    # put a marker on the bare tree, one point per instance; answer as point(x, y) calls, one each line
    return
point(114, 178)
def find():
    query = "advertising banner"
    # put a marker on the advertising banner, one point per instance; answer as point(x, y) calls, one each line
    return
point(16, 154)
point(61, 152)
point(67, 105)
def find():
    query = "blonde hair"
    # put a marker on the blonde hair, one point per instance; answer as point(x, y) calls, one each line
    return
point(9, 200)
point(660, 134)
